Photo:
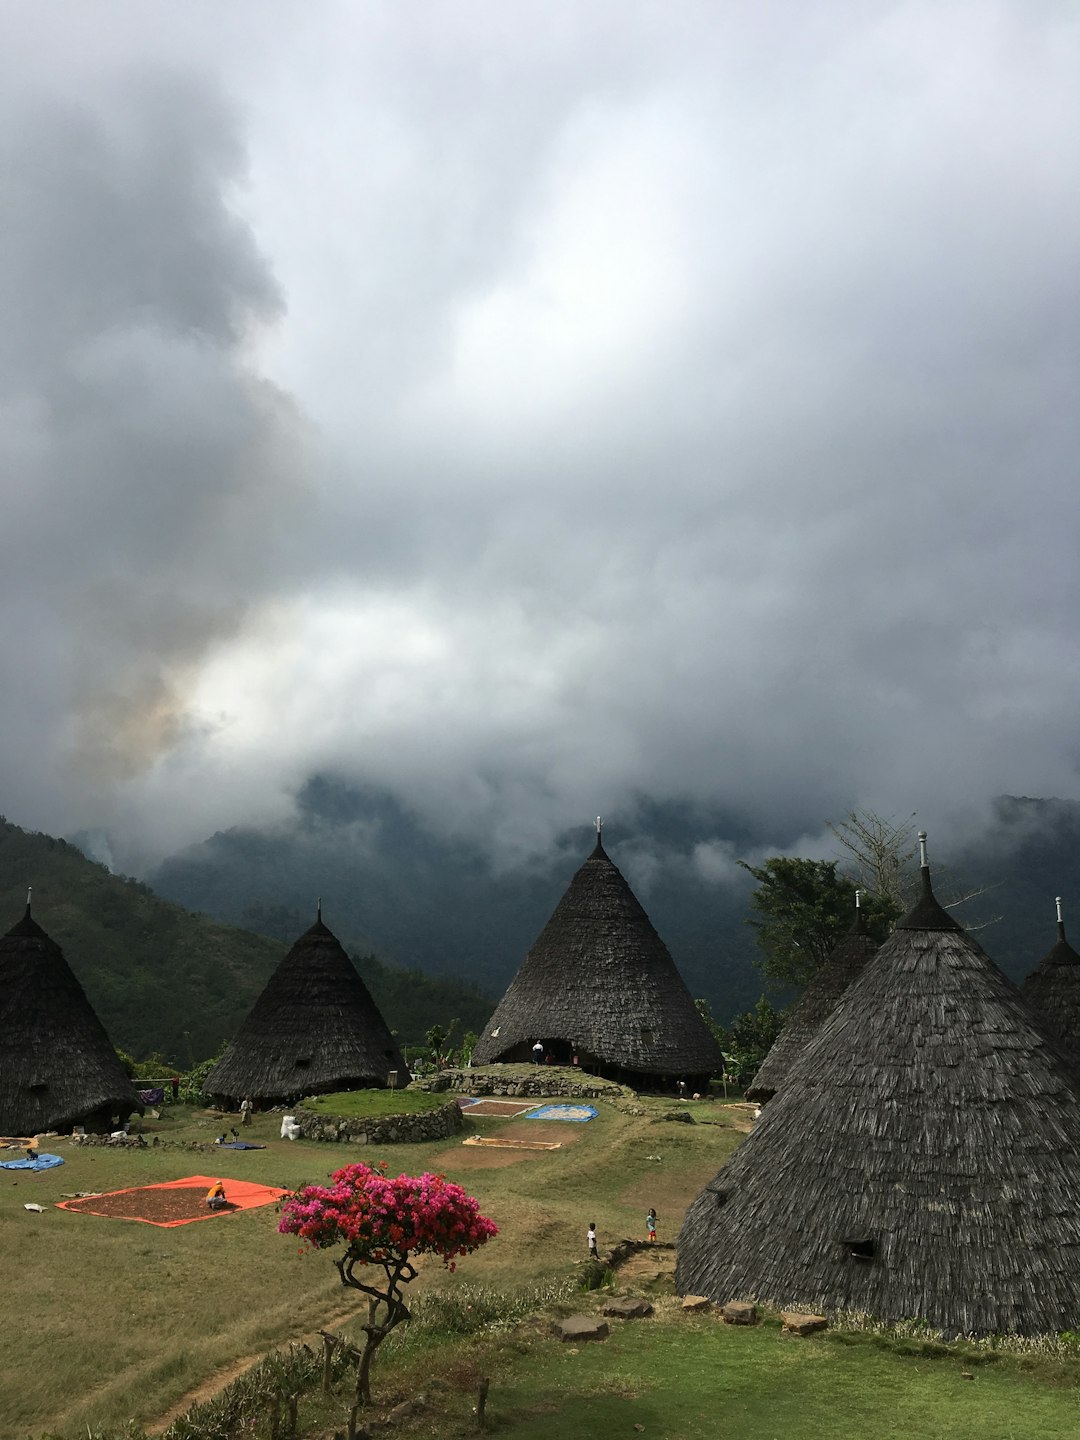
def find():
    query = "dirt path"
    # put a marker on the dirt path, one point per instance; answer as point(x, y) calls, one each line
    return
point(228, 1373)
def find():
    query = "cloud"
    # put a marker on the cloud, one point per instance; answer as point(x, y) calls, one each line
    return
point(687, 410)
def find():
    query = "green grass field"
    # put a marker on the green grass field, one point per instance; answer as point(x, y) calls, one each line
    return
point(111, 1320)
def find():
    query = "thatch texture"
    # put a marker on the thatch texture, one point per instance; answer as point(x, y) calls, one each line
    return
point(57, 1066)
point(599, 982)
point(813, 1008)
point(313, 1030)
point(1053, 992)
point(922, 1159)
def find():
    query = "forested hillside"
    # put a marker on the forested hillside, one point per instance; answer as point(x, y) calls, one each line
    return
point(163, 979)
point(450, 909)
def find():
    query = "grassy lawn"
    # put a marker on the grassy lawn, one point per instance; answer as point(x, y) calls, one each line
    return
point(114, 1320)
point(376, 1103)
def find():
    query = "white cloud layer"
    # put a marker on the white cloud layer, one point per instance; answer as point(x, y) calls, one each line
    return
point(528, 407)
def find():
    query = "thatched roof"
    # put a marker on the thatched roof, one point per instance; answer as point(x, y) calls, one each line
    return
point(599, 979)
point(1053, 990)
point(921, 1161)
point(813, 1008)
point(57, 1066)
point(313, 1030)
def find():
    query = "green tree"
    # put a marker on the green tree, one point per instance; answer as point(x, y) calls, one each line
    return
point(804, 907)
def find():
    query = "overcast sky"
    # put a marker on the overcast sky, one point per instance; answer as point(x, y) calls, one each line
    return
point(525, 406)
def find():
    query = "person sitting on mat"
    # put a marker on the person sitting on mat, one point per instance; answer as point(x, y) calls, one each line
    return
point(215, 1196)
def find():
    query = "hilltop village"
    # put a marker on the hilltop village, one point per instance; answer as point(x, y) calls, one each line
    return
point(917, 1149)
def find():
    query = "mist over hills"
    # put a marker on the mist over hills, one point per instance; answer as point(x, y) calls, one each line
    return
point(163, 979)
point(452, 909)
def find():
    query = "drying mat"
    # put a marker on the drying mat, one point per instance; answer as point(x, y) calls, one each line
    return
point(175, 1202)
point(577, 1113)
point(513, 1144)
point(507, 1109)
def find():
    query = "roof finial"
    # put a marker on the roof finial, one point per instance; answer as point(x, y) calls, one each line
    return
point(858, 899)
point(29, 892)
point(1060, 918)
point(922, 849)
point(318, 910)
point(599, 826)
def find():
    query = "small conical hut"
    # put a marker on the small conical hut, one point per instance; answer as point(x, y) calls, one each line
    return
point(600, 984)
point(1053, 989)
point(922, 1160)
point(58, 1068)
point(313, 1030)
point(814, 1006)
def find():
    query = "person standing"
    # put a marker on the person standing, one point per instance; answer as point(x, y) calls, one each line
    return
point(650, 1223)
point(246, 1108)
point(590, 1236)
point(538, 1053)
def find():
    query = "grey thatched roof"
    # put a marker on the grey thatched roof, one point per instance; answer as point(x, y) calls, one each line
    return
point(1053, 990)
point(922, 1160)
point(813, 1008)
point(601, 979)
point(314, 1029)
point(57, 1066)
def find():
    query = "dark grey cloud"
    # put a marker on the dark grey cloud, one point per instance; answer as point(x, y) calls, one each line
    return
point(688, 407)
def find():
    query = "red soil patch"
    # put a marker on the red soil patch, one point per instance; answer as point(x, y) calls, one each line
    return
point(176, 1202)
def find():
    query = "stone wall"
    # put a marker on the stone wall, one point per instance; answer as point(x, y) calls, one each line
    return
point(539, 1081)
point(383, 1130)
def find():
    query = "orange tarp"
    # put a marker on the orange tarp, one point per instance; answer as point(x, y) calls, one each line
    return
point(185, 1205)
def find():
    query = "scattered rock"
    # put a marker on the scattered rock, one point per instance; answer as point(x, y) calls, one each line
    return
point(802, 1324)
point(407, 1409)
point(740, 1312)
point(696, 1302)
point(627, 1307)
point(581, 1327)
point(966, 1375)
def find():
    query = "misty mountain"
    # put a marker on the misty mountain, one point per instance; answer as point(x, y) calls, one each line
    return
point(450, 909)
point(165, 980)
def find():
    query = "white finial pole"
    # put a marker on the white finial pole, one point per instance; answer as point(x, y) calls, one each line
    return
point(599, 826)
point(29, 892)
point(858, 899)
point(1057, 902)
point(922, 849)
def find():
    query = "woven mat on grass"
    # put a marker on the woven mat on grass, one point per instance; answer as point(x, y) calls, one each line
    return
point(513, 1144)
point(506, 1109)
point(174, 1202)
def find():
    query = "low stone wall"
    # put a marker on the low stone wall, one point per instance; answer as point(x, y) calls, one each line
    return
point(382, 1130)
point(539, 1081)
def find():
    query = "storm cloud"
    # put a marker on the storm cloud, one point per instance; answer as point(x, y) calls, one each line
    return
point(524, 409)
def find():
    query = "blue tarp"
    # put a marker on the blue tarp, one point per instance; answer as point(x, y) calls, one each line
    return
point(578, 1113)
point(39, 1162)
point(240, 1145)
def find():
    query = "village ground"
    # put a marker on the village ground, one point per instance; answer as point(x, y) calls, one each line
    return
point(113, 1320)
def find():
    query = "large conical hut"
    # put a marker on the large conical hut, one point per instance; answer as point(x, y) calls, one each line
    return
point(922, 1160)
point(599, 984)
point(313, 1030)
point(814, 1006)
point(1053, 989)
point(58, 1068)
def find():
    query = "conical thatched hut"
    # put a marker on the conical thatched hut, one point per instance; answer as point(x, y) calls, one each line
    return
point(599, 984)
point(57, 1066)
point(313, 1030)
point(1053, 990)
point(814, 1006)
point(921, 1161)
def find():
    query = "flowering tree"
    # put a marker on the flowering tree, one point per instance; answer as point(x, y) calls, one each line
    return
point(382, 1224)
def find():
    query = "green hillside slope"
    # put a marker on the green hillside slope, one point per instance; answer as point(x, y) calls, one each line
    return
point(163, 979)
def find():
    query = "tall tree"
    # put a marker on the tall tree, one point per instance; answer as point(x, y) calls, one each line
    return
point(804, 907)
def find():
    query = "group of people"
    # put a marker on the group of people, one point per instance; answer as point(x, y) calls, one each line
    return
point(650, 1231)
